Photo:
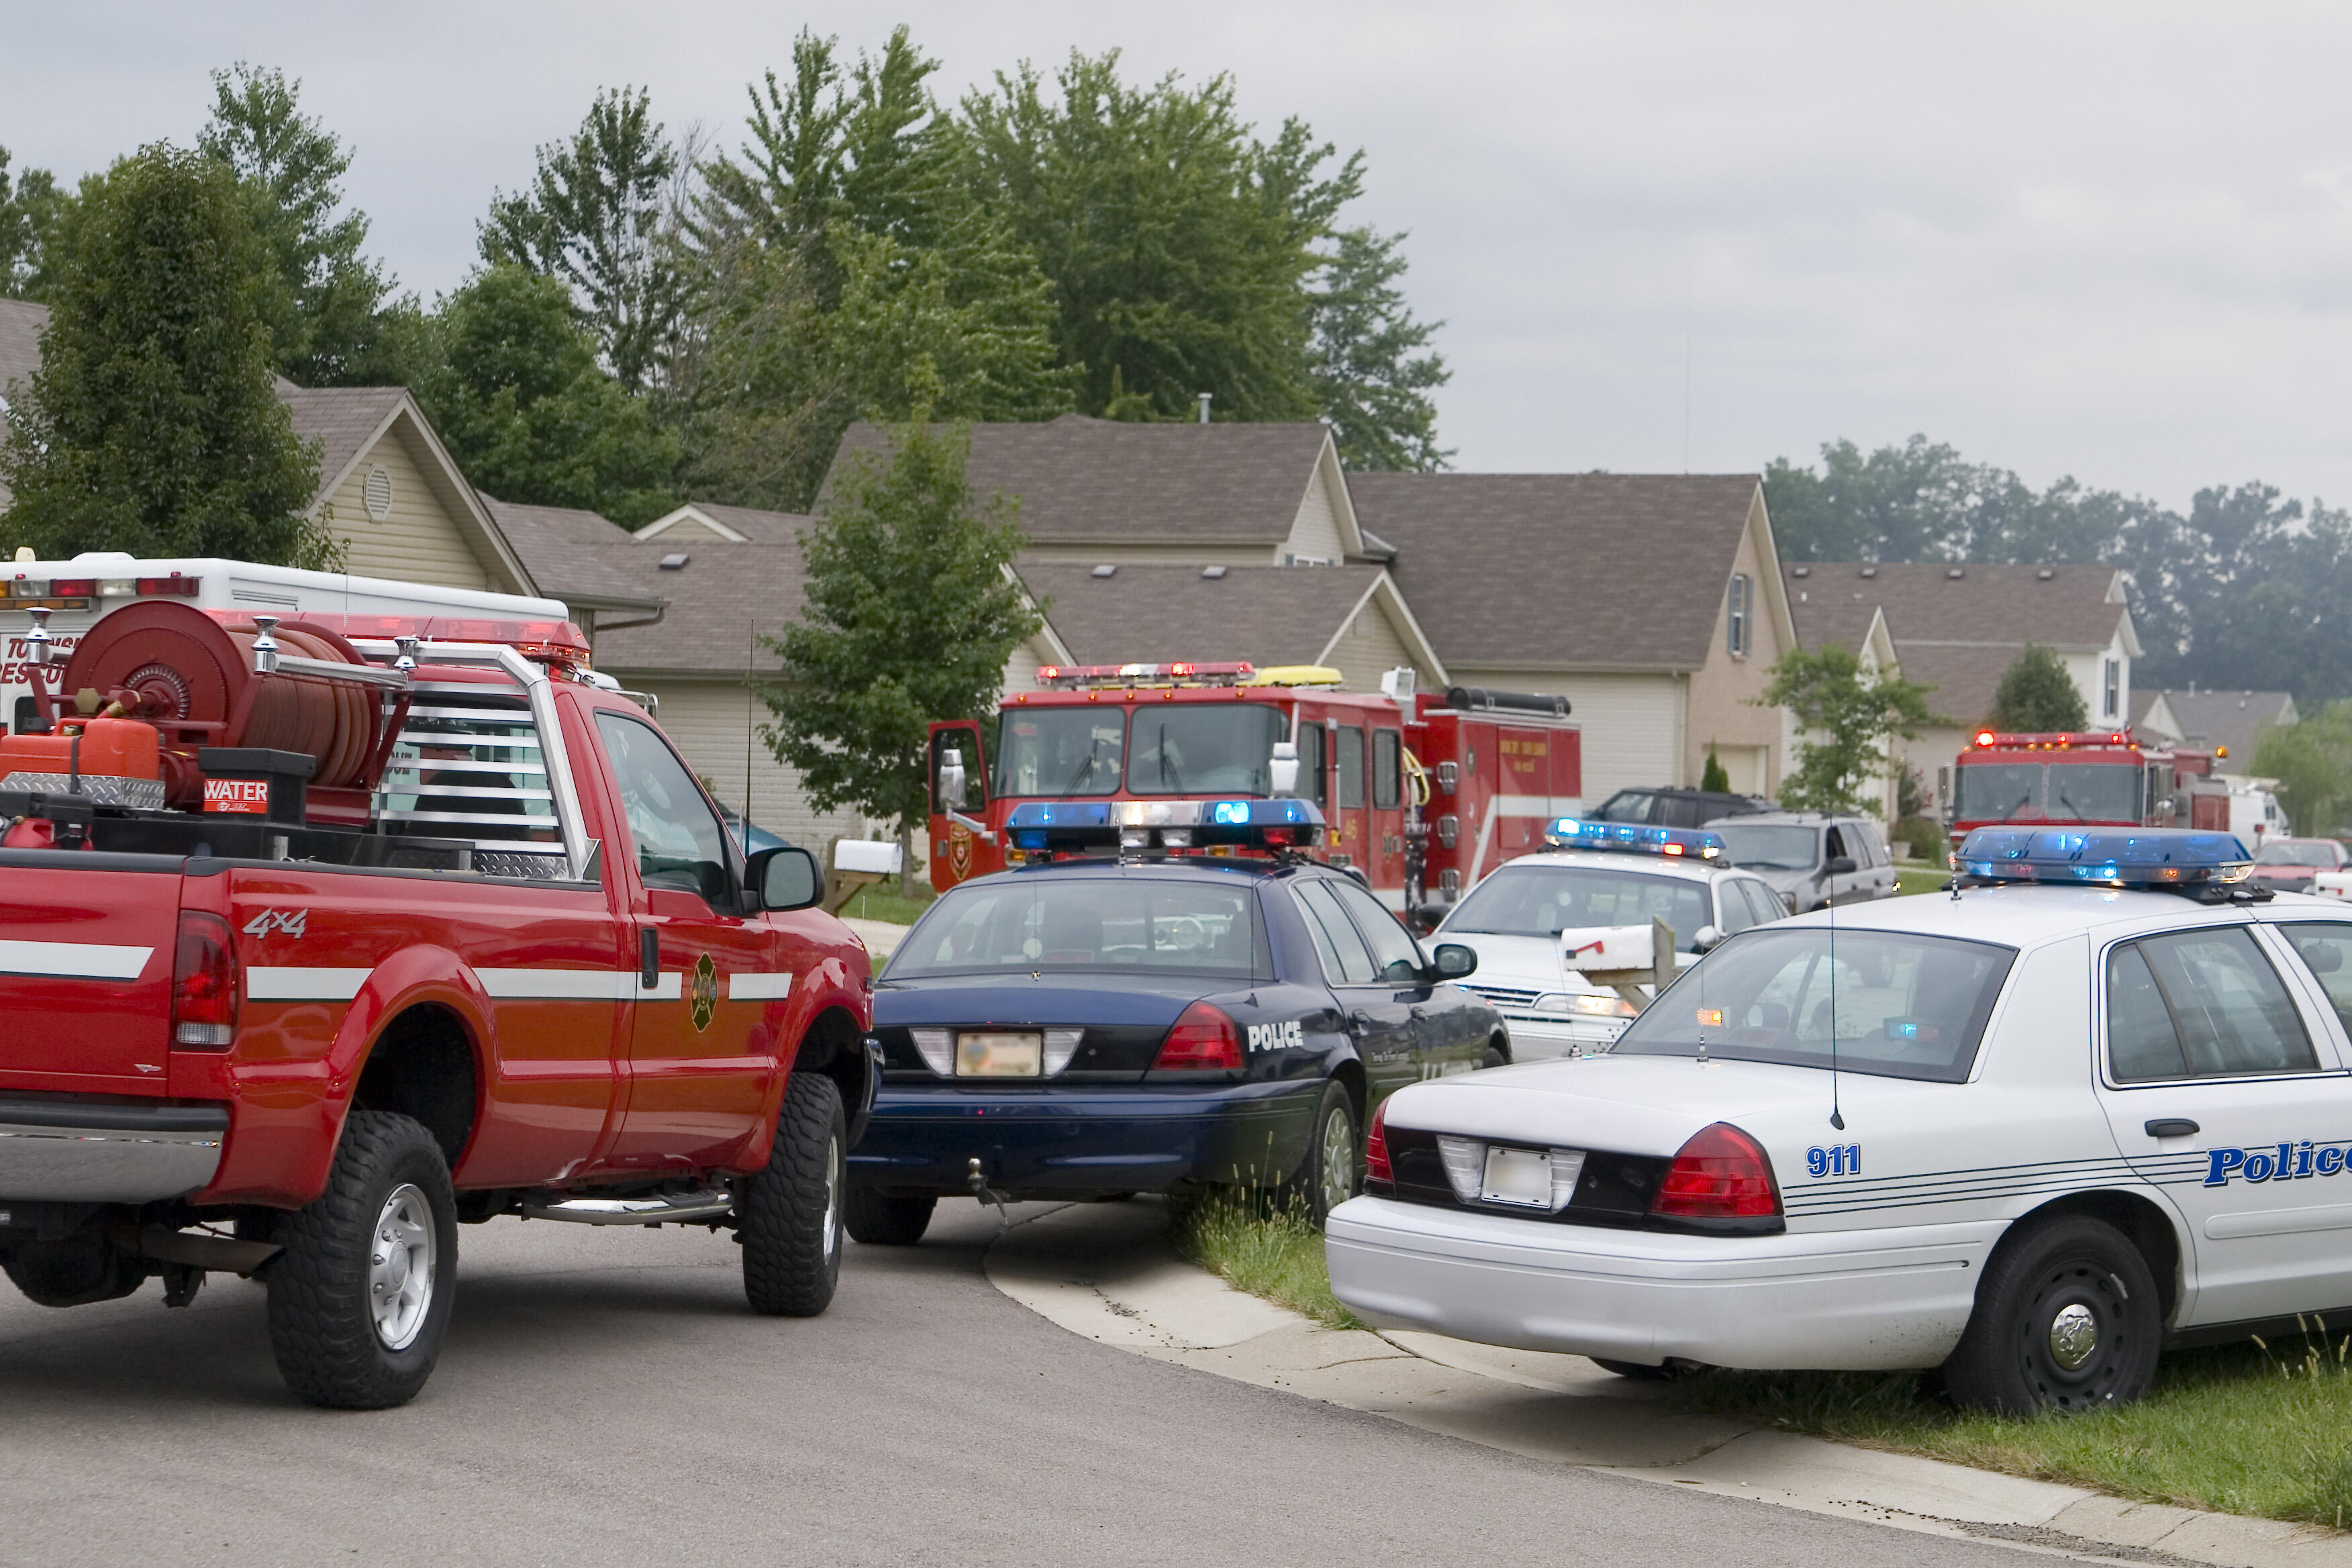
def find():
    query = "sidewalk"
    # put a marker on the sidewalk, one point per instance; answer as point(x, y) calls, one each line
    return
point(1102, 1270)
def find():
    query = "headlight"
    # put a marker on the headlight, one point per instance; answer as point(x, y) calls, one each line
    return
point(1592, 1004)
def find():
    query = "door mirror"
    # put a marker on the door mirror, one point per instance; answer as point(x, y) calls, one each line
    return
point(1840, 865)
point(951, 784)
point(1282, 773)
point(1453, 960)
point(787, 879)
point(1705, 938)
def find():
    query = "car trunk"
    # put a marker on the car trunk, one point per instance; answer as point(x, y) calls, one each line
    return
point(1124, 1018)
point(86, 974)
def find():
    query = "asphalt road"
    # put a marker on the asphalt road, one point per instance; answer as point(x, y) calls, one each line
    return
point(606, 1398)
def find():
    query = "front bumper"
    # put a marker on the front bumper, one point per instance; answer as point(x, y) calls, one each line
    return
point(1084, 1140)
point(107, 1151)
point(1842, 1301)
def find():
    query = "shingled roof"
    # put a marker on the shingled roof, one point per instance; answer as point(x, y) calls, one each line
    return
point(1267, 614)
point(1561, 571)
point(1084, 481)
point(2231, 719)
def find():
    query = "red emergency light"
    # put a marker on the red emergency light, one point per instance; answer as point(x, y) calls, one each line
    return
point(2052, 740)
point(1065, 677)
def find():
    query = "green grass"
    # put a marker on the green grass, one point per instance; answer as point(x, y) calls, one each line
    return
point(1269, 1252)
point(882, 902)
point(2245, 1428)
point(1920, 880)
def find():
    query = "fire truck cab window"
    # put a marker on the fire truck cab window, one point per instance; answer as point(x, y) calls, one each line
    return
point(1997, 791)
point(1311, 784)
point(1349, 740)
point(1388, 769)
point(679, 843)
point(1060, 751)
point(2092, 791)
point(1199, 748)
point(966, 743)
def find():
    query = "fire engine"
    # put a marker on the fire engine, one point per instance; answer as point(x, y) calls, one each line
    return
point(1423, 794)
point(2104, 778)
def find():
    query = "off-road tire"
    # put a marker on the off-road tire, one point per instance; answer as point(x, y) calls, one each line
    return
point(883, 1219)
point(322, 1326)
point(2009, 1358)
point(1321, 1186)
point(789, 1215)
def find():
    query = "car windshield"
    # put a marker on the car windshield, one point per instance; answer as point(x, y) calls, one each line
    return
point(1544, 900)
point(1770, 848)
point(1047, 924)
point(2292, 853)
point(1625, 806)
point(2092, 792)
point(1059, 751)
point(1194, 748)
point(1995, 792)
point(1894, 1005)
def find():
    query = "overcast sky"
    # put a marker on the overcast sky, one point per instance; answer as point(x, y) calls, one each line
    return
point(2106, 241)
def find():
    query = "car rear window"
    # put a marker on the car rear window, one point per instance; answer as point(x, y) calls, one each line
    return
point(1891, 1003)
point(1042, 925)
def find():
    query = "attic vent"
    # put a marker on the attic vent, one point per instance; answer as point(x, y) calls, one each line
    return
point(2045, 574)
point(676, 562)
point(375, 493)
point(1870, 570)
point(1212, 572)
point(1105, 571)
point(1801, 571)
point(1955, 574)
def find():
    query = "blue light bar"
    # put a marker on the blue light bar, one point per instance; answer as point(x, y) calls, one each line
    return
point(1139, 826)
point(1635, 838)
point(2104, 857)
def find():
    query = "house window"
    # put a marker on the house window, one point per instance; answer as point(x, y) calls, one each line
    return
point(2114, 688)
point(1740, 607)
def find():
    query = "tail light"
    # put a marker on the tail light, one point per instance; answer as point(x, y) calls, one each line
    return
point(1375, 1149)
point(1721, 1174)
point(203, 983)
point(1203, 1039)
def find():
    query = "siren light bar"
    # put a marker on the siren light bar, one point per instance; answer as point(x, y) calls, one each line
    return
point(1633, 838)
point(2178, 858)
point(1043, 828)
point(2052, 740)
point(1076, 676)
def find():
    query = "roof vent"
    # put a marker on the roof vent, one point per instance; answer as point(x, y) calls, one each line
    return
point(1955, 573)
point(1212, 572)
point(1870, 570)
point(2045, 574)
point(1801, 571)
point(1105, 571)
point(676, 562)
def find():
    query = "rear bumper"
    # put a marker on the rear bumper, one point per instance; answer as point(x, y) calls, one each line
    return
point(1084, 1140)
point(65, 1149)
point(1846, 1301)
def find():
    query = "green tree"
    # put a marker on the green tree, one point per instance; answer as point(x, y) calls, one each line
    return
point(1830, 695)
point(1366, 361)
point(2036, 695)
point(602, 215)
point(324, 301)
point(911, 615)
point(2312, 762)
point(153, 425)
point(1712, 778)
point(529, 412)
point(32, 216)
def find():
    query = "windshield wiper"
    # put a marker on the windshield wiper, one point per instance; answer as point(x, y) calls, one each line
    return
point(1168, 770)
point(2067, 801)
point(1086, 769)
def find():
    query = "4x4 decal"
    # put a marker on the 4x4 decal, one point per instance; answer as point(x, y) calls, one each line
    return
point(293, 922)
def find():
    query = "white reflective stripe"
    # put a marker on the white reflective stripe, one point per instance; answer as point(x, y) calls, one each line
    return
point(669, 988)
point(758, 987)
point(559, 984)
point(295, 985)
point(1533, 806)
point(73, 960)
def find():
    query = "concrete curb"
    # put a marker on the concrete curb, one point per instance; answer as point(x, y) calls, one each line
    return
point(1103, 1270)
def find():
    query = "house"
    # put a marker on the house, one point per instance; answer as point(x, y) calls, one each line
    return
point(1651, 602)
point(1957, 627)
point(2207, 720)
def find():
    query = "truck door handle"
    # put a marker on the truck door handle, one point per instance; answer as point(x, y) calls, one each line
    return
point(2171, 1127)
point(649, 958)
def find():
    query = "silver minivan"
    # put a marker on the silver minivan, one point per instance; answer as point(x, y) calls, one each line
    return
point(1810, 858)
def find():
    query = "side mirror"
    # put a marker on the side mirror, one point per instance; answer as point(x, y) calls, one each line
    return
point(1282, 773)
point(787, 878)
point(1453, 960)
point(952, 781)
point(1840, 865)
point(1705, 938)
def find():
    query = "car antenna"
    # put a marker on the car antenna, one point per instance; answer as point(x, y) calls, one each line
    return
point(1837, 1116)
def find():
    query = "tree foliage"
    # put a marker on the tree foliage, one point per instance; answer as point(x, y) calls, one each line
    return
point(1853, 713)
point(32, 210)
point(2312, 762)
point(1712, 777)
point(528, 412)
point(153, 425)
point(2036, 696)
point(911, 614)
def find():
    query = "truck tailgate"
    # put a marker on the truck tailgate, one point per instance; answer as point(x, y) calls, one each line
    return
point(86, 973)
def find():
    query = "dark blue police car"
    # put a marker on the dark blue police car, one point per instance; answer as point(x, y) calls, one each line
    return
point(1167, 997)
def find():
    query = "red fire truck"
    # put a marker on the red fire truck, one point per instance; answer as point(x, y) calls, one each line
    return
point(1423, 794)
point(2101, 777)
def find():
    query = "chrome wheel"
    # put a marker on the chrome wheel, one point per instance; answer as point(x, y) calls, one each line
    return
point(1339, 1151)
point(2073, 1336)
point(832, 1164)
point(399, 1266)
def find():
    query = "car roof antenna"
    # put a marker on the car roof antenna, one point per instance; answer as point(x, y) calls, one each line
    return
point(1837, 1116)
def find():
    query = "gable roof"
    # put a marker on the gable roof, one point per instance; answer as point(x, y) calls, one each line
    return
point(564, 549)
point(1267, 614)
point(2205, 719)
point(746, 525)
point(1562, 570)
point(1088, 481)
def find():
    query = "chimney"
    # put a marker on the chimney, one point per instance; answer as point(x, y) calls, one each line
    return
point(1204, 407)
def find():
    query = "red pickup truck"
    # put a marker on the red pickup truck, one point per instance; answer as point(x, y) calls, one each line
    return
point(319, 940)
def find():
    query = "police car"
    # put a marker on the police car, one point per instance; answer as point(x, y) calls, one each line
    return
point(1167, 995)
point(1543, 924)
point(2030, 1133)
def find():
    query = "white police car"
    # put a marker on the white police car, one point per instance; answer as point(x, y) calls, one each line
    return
point(1542, 923)
point(2030, 1133)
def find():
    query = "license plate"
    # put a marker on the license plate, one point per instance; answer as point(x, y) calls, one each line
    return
point(1000, 1056)
point(1520, 1176)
